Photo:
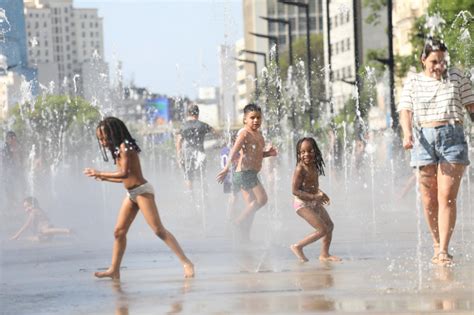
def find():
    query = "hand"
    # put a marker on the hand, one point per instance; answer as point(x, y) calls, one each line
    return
point(14, 238)
point(221, 176)
point(408, 141)
point(322, 197)
point(272, 151)
point(90, 172)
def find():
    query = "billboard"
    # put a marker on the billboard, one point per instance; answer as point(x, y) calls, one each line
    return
point(158, 111)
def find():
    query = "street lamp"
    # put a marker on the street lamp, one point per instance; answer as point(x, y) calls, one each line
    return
point(287, 22)
point(264, 55)
point(308, 52)
point(275, 40)
point(255, 70)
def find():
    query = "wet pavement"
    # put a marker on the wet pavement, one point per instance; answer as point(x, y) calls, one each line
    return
point(374, 277)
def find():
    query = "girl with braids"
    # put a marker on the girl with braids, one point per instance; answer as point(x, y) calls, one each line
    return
point(113, 135)
point(310, 200)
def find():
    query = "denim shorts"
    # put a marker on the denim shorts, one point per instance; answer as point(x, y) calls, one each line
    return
point(442, 144)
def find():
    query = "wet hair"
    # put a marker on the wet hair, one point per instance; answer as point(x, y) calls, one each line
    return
point(115, 133)
point(432, 45)
point(318, 159)
point(11, 134)
point(252, 108)
point(193, 110)
point(32, 201)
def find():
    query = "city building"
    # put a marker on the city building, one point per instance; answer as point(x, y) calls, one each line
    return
point(13, 55)
point(227, 83)
point(63, 44)
point(208, 102)
point(343, 44)
point(404, 15)
point(242, 94)
point(254, 10)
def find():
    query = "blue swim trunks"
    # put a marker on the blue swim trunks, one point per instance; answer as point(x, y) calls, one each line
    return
point(443, 144)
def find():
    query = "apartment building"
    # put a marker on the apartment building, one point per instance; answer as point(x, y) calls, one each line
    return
point(63, 41)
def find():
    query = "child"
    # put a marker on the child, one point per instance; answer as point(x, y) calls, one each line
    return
point(38, 220)
point(113, 135)
point(250, 144)
point(309, 199)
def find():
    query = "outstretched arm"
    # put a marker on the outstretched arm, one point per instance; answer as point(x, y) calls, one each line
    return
point(272, 151)
point(239, 142)
point(118, 176)
point(23, 228)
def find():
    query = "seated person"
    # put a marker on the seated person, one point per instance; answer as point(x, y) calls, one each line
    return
point(39, 222)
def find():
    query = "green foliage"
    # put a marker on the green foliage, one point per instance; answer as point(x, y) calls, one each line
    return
point(51, 119)
point(457, 33)
point(375, 8)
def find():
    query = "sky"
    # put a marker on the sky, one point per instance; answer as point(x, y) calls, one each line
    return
point(167, 46)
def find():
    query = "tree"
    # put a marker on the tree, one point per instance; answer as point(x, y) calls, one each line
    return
point(456, 29)
point(45, 124)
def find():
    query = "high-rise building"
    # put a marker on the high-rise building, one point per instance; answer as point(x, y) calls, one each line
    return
point(344, 41)
point(254, 10)
point(13, 55)
point(227, 76)
point(64, 43)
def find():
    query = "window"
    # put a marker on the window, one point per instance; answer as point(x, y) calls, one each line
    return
point(312, 23)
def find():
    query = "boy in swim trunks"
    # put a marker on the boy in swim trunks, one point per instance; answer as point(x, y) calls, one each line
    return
point(250, 144)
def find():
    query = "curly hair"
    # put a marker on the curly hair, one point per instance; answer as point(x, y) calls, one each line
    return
point(318, 161)
point(115, 133)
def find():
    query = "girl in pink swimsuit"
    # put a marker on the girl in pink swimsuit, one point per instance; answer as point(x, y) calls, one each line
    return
point(310, 200)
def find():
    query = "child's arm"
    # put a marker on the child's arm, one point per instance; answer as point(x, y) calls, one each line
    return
point(298, 177)
point(24, 227)
point(272, 151)
point(239, 142)
point(118, 176)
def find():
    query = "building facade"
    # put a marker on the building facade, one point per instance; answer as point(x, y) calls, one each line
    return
point(345, 44)
point(253, 23)
point(62, 43)
point(13, 56)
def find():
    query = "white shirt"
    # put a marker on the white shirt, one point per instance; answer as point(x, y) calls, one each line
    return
point(436, 100)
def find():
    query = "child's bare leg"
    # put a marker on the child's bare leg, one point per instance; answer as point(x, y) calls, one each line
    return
point(231, 206)
point(315, 221)
point(147, 205)
point(127, 214)
point(255, 198)
point(326, 240)
point(55, 231)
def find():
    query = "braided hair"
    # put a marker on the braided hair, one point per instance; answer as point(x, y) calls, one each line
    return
point(115, 133)
point(318, 161)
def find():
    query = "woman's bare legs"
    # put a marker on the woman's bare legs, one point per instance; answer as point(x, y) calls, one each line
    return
point(428, 183)
point(128, 212)
point(147, 205)
point(449, 180)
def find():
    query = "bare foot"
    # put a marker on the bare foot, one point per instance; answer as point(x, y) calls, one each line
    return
point(329, 258)
point(188, 270)
point(298, 253)
point(108, 274)
point(444, 259)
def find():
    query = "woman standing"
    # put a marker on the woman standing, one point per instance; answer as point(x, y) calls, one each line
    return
point(431, 116)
